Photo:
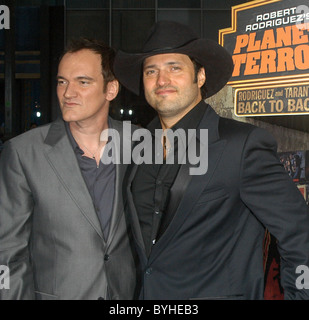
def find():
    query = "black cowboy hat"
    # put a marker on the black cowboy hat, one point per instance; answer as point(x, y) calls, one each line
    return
point(173, 37)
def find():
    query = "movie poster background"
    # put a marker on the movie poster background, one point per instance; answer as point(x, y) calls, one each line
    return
point(296, 164)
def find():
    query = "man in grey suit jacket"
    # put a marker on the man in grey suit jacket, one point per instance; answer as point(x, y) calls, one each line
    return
point(63, 233)
point(201, 236)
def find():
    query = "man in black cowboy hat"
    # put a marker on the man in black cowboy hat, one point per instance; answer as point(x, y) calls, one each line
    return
point(201, 236)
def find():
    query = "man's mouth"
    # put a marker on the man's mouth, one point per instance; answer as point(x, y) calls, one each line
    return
point(70, 103)
point(165, 91)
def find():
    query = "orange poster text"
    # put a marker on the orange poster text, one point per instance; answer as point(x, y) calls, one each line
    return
point(278, 50)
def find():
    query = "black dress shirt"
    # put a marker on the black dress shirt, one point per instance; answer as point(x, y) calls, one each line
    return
point(152, 182)
point(100, 181)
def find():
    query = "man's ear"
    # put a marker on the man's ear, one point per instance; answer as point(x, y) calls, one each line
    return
point(112, 89)
point(201, 77)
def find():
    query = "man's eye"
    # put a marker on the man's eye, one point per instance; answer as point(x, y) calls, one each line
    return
point(61, 82)
point(175, 68)
point(84, 83)
point(150, 72)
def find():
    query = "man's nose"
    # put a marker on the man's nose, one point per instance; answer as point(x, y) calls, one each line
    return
point(163, 78)
point(70, 91)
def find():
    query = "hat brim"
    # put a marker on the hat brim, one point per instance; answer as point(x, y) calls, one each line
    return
point(214, 58)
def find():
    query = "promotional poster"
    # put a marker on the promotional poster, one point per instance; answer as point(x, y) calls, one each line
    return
point(269, 43)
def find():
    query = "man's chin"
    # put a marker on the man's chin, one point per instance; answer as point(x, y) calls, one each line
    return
point(69, 117)
point(165, 109)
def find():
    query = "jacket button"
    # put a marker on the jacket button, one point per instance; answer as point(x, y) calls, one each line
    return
point(148, 271)
point(106, 257)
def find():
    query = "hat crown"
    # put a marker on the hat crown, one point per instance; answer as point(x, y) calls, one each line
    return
point(168, 35)
point(172, 37)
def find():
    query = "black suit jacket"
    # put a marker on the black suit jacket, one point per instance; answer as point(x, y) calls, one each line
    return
point(210, 241)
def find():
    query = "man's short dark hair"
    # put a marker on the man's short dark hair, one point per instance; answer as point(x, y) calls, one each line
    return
point(106, 52)
point(197, 67)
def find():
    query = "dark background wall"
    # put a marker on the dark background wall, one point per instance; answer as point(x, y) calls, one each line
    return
point(40, 29)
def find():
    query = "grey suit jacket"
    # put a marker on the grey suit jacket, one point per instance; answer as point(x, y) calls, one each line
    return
point(50, 235)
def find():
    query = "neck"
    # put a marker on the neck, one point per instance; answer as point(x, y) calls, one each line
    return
point(168, 122)
point(89, 138)
point(89, 132)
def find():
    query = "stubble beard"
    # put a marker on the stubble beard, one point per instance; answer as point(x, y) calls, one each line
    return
point(167, 108)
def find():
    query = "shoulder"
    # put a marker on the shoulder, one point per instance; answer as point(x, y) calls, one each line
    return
point(31, 137)
point(22, 146)
point(229, 128)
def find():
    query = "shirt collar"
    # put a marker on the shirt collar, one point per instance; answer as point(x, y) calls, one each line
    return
point(71, 138)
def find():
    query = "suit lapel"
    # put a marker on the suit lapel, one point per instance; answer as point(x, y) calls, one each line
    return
point(176, 193)
point(133, 213)
point(124, 177)
point(119, 140)
point(187, 188)
point(60, 155)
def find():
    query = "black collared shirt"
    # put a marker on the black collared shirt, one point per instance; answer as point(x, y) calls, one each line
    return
point(152, 182)
point(100, 182)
